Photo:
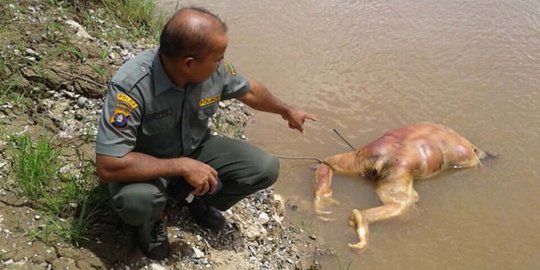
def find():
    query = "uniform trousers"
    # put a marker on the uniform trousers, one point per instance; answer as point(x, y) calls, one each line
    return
point(242, 169)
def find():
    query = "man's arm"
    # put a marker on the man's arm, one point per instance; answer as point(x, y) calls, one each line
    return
point(259, 98)
point(141, 167)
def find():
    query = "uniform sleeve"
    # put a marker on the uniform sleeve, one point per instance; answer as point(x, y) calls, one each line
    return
point(235, 84)
point(118, 124)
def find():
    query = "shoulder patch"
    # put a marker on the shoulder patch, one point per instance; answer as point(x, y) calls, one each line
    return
point(124, 106)
point(209, 100)
point(229, 68)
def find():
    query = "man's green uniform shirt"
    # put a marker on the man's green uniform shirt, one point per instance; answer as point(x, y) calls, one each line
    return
point(144, 112)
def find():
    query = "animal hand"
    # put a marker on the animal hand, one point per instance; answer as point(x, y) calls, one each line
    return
point(296, 118)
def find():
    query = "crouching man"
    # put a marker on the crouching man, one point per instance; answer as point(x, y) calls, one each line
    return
point(153, 141)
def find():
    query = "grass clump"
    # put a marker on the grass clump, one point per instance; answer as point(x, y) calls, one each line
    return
point(136, 13)
point(35, 165)
point(137, 17)
point(70, 202)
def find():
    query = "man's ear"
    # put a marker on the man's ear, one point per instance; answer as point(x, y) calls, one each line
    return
point(188, 61)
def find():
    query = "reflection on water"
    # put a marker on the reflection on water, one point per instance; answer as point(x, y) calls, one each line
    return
point(368, 66)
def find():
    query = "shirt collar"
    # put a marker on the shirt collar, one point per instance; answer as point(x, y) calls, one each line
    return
point(162, 82)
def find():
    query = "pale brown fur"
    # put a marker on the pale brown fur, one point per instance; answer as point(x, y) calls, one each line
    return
point(393, 160)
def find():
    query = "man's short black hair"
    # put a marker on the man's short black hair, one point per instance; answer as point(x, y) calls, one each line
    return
point(180, 39)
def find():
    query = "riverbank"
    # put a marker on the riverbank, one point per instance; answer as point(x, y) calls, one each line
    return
point(55, 61)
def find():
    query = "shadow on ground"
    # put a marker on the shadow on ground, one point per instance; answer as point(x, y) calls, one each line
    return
point(115, 245)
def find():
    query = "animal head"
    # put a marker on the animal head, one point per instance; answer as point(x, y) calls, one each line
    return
point(372, 167)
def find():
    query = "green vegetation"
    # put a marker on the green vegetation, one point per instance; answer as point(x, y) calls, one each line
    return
point(35, 164)
point(136, 15)
point(11, 88)
point(139, 14)
point(98, 69)
point(3, 254)
point(103, 54)
point(2, 131)
point(52, 26)
point(70, 202)
point(2, 65)
point(63, 48)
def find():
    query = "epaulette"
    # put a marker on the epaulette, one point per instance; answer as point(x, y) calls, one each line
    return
point(130, 74)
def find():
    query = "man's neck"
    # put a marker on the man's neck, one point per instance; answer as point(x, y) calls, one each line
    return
point(176, 79)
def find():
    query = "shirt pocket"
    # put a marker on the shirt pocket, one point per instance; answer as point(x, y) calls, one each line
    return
point(154, 124)
point(207, 112)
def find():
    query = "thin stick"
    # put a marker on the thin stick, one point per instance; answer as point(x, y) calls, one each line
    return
point(278, 156)
point(303, 158)
point(343, 139)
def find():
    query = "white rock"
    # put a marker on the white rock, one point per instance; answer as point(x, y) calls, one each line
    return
point(80, 32)
point(254, 232)
point(155, 266)
point(197, 253)
point(31, 52)
point(81, 101)
point(114, 55)
point(263, 218)
point(68, 94)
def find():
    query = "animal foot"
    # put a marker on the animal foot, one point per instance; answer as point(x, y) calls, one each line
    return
point(317, 206)
point(358, 246)
point(356, 220)
point(321, 213)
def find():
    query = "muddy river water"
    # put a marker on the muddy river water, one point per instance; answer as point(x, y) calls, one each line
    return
point(368, 66)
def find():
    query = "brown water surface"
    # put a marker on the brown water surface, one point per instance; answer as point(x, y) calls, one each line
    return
point(368, 66)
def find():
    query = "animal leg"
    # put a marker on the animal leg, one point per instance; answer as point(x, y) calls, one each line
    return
point(361, 220)
point(341, 163)
point(323, 188)
point(396, 198)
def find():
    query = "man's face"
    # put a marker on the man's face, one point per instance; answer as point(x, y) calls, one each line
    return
point(202, 68)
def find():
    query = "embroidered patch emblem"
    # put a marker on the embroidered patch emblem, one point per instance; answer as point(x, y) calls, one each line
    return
point(230, 68)
point(123, 99)
point(119, 119)
point(122, 110)
point(209, 100)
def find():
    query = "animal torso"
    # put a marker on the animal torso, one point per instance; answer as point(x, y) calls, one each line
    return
point(419, 149)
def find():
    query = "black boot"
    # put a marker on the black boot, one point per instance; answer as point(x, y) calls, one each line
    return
point(153, 239)
point(206, 215)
